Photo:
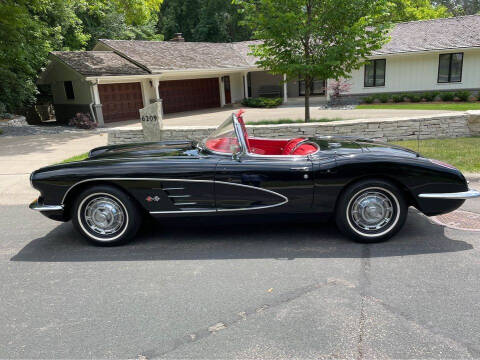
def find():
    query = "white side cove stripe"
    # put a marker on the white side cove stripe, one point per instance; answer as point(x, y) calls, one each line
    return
point(285, 199)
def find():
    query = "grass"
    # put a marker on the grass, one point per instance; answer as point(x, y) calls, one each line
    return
point(289, 121)
point(75, 158)
point(453, 106)
point(462, 153)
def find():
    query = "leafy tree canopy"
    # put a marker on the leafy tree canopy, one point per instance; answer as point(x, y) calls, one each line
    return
point(202, 20)
point(30, 29)
point(410, 10)
point(460, 7)
point(311, 39)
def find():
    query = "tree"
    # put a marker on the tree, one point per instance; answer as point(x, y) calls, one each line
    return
point(30, 29)
point(310, 39)
point(202, 20)
point(411, 10)
point(460, 7)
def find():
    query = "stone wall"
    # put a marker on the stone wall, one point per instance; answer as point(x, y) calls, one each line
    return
point(439, 126)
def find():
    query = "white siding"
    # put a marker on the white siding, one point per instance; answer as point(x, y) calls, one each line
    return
point(59, 72)
point(419, 73)
point(236, 87)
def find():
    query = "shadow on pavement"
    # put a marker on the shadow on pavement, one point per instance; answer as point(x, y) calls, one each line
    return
point(192, 240)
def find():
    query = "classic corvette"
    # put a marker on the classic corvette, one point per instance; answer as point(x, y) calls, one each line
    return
point(365, 186)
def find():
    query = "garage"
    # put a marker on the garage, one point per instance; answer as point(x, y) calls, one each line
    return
point(120, 101)
point(187, 95)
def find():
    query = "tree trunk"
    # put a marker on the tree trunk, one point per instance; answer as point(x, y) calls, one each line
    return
point(307, 98)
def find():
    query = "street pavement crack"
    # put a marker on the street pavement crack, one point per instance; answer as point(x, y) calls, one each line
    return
point(364, 287)
point(238, 317)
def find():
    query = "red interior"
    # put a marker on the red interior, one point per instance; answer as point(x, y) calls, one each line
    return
point(262, 146)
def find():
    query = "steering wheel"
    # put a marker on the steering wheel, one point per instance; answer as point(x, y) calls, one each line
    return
point(306, 141)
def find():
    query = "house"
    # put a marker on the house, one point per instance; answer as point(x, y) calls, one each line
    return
point(119, 77)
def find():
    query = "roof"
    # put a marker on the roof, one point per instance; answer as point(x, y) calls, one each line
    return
point(99, 63)
point(438, 34)
point(139, 57)
point(159, 56)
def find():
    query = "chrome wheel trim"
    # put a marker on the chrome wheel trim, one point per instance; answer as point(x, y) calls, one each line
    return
point(103, 215)
point(373, 209)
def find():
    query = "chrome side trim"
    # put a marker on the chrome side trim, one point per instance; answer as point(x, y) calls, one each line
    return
point(285, 199)
point(37, 207)
point(170, 189)
point(184, 204)
point(179, 196)
point(470, 194)
point(183, 211)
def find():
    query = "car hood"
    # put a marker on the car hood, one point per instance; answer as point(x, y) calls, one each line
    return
point(153, 149)
point(348, 145)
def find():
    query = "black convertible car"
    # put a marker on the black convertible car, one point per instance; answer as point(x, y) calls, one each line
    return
point(366, 186)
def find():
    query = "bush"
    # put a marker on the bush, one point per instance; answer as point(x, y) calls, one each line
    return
point(463, 95)
point(368, 99)
point(262, 102)
point(415, 98)
point(397, 98)
point(430, 96)
point(447, 96)
point(383, 98)
point(82, 121)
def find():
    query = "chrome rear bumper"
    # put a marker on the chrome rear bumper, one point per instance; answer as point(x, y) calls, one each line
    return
point(470, 194)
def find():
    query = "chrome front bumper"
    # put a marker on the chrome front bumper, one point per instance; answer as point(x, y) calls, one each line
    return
point(470, 194)
point(38, 206)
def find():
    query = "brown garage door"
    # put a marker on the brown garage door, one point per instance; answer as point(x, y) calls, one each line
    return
point(186, 95)
point(120, 101)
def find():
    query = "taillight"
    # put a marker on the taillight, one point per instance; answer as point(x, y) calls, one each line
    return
point(444, 164)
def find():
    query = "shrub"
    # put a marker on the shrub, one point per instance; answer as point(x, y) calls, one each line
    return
point(447, 96)
point(430, 96)
point(82, 121)
point(383, 98)
point(368, 99)
point(415, 98)
point(262, 102)
point(397, 98)
point(463, 95)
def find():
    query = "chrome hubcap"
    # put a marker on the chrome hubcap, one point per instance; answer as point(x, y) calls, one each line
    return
point(372, 210)
point(104, 215)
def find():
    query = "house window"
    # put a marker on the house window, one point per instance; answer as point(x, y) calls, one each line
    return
point(69, 90)
point(375, 73)
point(317, 88)
point(450, 67)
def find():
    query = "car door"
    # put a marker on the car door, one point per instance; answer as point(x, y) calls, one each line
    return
point(278, 184)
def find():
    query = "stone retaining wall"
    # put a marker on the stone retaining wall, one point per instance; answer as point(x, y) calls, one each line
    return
point(439, 126)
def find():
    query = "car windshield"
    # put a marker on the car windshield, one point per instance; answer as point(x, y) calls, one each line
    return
point(223, 139)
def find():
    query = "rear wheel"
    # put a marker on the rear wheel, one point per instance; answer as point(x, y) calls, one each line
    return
point(371, 211)
point(106, 216)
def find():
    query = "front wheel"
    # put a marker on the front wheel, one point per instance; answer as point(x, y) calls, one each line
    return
point(371, 211)
point(106, 216)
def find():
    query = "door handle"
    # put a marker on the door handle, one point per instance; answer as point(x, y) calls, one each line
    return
point(303, 168)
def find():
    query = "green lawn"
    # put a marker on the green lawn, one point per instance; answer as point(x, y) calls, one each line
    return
point(289, 121)
point(463, 153)
point(454, 106)
point(75, 158)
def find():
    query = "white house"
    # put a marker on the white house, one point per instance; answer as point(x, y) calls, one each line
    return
point(119, 77)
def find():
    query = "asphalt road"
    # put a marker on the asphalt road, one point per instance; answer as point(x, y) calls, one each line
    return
point(272, 290)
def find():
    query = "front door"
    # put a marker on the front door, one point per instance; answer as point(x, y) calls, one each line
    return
point(266, 184)
point(228, 92)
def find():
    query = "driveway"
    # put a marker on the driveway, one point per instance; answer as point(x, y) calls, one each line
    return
point(214, 117)
point(20, 155)
point(195, 289)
